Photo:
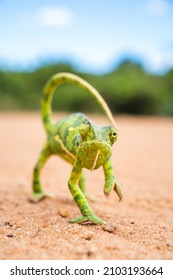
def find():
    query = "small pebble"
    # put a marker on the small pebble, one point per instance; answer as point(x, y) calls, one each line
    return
point(63, 212)
point(109, 228)
point(10, 235)
point(88, 236)
point(91, 251)
point(8, 224)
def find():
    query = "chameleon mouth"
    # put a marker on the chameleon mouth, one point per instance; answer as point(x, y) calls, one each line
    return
point(93, 154)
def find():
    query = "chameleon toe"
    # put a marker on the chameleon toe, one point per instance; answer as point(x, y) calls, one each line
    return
point(36, 197)
point(82, 219)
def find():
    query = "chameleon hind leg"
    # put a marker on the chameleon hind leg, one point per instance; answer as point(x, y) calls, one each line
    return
point(38, 192)
point(80, 199)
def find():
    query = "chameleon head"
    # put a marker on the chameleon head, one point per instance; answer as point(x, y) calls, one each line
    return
point(95, 148)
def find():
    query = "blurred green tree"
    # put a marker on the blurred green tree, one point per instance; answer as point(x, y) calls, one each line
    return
point(129, 89)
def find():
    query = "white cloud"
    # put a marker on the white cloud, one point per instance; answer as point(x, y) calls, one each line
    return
point(157, 7)
point(55, 16)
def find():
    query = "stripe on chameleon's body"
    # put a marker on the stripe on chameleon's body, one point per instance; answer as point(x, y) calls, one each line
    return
point(66, 130)
point(63, 147)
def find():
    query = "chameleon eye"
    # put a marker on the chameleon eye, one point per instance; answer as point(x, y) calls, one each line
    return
point(113, 136)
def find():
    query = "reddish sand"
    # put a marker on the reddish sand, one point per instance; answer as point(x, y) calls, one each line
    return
point(140, 227)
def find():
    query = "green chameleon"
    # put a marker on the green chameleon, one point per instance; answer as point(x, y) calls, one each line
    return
point(79, 141)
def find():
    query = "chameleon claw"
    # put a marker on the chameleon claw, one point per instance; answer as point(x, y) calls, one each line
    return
point(82, 219)
point(107, 190)
point(118, 190)
point(38, 196)
point(107, 194)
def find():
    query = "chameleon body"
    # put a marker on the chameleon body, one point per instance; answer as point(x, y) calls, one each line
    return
point(79, 141)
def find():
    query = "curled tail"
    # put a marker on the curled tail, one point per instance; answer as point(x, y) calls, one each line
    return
point(61, 78)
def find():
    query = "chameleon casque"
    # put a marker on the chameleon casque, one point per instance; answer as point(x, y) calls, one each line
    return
point(79, 141)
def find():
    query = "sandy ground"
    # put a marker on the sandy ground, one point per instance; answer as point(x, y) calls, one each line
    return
point(140, 227)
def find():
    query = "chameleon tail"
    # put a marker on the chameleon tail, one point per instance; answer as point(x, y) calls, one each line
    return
point(61, 78)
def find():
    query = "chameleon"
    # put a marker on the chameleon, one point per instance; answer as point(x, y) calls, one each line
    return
point(79, 141)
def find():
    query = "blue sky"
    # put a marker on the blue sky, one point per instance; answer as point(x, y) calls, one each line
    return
point(94, 34)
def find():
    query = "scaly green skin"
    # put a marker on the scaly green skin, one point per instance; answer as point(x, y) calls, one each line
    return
point(82, 143)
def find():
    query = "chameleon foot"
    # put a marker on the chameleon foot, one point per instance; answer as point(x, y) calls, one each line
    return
point(94, 219)
point(37, 196)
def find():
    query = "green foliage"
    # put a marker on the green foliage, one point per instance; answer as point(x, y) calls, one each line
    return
point(129, 89)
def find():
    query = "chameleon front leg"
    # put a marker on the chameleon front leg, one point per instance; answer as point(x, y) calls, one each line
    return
point(82, 184)
point(82, 187)
point(111, 181)
point(79, 197)
point(38, 192)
